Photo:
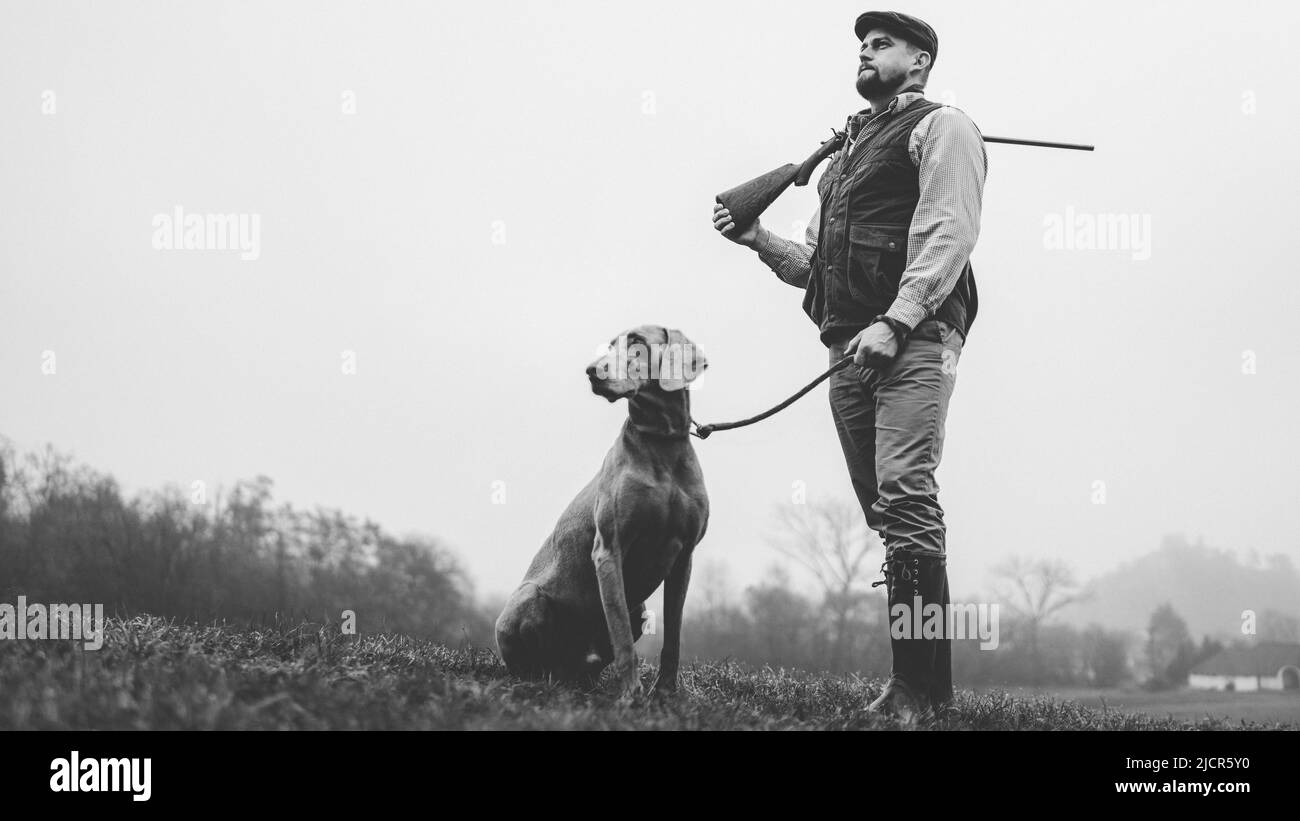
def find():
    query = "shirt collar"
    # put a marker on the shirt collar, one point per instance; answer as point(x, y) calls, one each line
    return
point(901, 101)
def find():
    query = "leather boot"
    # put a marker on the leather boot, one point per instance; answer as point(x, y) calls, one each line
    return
point(941, 694)
point(922, 667)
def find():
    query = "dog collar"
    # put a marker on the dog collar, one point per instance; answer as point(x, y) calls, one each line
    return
point(663, 434)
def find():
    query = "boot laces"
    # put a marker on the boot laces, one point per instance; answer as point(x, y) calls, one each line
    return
point(905, 571)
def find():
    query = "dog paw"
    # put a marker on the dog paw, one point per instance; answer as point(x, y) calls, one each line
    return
point(664, 688)
point(665, 698)
point(632, 692)
point(631, 689)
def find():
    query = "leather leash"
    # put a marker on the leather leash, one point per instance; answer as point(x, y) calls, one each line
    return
point(703, 431)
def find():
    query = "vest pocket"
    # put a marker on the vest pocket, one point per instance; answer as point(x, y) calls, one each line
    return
point(877, 257)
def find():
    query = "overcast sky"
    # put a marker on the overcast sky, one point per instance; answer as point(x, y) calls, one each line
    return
point(472, 198)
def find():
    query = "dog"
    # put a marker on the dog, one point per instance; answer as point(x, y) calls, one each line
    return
point(633, 527)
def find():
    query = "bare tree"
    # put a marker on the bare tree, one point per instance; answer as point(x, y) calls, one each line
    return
point(1035, 590)
point(709, 584)
point(831, 541)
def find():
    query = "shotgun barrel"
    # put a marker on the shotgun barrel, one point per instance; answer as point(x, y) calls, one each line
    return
point(1040, 143)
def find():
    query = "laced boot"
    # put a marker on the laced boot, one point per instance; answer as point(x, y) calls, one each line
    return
point(922, 667)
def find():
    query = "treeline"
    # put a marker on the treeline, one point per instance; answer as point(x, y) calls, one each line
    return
point(774, 624)
point(68, 534)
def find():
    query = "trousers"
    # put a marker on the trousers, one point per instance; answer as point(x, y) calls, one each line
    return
point(891, 427)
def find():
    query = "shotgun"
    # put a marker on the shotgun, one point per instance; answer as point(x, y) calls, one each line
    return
point(748, 200)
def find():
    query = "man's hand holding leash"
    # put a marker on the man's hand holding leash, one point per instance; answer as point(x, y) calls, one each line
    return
point(875, 346)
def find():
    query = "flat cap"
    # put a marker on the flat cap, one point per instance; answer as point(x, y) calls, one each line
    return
point(912, 29)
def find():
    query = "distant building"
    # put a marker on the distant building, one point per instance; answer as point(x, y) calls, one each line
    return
point(1268, 665)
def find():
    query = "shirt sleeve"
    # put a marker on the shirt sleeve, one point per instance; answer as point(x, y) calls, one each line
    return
point(949, 152)
point(790, 260)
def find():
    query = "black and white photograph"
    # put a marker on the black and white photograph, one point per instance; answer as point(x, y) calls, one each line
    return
point(555, 367)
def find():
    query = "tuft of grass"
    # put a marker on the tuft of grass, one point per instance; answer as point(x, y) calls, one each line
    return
point(154, 674)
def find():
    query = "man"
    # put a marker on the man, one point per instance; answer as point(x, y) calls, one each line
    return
point(886, 276)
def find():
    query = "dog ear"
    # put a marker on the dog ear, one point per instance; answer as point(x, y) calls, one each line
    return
point(680, 362)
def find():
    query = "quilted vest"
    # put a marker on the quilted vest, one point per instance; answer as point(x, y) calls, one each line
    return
point(868, 197)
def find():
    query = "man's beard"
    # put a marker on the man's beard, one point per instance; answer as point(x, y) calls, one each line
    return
point(875, 86)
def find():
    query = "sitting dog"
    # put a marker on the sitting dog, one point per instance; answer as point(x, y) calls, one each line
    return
point(632, 528)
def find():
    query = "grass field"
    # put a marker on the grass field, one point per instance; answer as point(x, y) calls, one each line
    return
point(152, 674)
point(1186, 704)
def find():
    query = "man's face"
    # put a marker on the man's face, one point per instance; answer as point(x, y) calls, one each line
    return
point(883, 63)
